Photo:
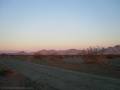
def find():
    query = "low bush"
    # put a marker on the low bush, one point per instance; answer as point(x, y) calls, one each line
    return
point(2, 72)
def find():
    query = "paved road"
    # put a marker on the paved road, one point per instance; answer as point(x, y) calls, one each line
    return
point(60, 79)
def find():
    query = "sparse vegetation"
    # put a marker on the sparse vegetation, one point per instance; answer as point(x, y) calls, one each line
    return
point(2, 72)
point(105, 65)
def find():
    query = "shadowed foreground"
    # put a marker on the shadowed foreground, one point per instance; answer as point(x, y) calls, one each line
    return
point(12, 80)
point(51, 78)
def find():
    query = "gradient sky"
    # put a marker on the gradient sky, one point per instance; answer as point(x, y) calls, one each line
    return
point(58, 24)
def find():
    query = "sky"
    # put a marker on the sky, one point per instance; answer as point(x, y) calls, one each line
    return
point(58, 24)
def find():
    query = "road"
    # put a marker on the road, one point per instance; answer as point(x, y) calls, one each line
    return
point(52, 78)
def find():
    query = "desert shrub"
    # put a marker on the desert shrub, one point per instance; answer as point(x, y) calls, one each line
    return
point(94, 55)
point(109, 57)
point(2, 72)
point(115, 63)
point(37, 56)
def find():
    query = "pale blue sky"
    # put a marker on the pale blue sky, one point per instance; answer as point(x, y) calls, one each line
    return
point(58, 24)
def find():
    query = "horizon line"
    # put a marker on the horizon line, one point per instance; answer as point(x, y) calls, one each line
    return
point(13, 51)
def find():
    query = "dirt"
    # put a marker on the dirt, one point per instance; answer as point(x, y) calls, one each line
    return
point(12, 80)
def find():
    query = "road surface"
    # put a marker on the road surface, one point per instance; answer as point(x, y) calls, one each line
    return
point(52, 78)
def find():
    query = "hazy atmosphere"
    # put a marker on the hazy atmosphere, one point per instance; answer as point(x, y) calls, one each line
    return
point(59, 44)
point(58, 24)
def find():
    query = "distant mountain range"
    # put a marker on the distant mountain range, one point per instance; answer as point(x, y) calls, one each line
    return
point(110, 50)
point(59, 52)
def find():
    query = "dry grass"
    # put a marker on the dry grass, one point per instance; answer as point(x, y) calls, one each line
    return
point(95, 64)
